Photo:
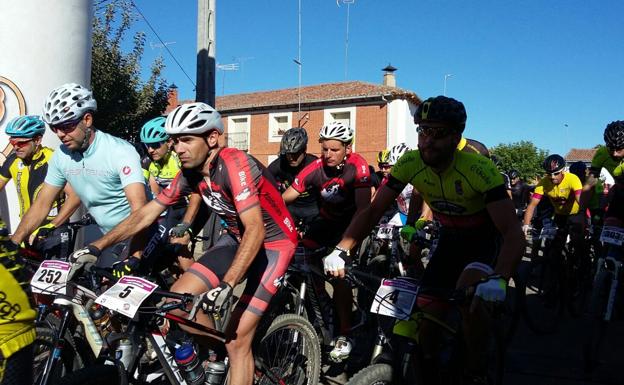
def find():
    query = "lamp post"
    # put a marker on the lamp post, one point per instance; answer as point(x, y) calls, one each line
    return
point(445, 78)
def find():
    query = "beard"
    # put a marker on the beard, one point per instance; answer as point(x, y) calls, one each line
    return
point(435, 156)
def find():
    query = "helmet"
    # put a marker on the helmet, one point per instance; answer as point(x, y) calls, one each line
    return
point(513, 174)
point(382, 156)
point(294, 140)
point(578, 168)
point(193, 118)
point(26, 126)
point(495, 160)
point(443, 110)
point(614, 134)
point(67, 103)
point(553, 163)
point(337, 131)
point(396, 152)
point(154, 131)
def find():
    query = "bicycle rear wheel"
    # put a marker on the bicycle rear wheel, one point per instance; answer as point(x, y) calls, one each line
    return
point(377, 374)
point(290, 351)
point(543, 307)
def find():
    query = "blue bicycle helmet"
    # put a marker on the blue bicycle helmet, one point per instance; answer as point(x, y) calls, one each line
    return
point(26, 126)
point(154, 131)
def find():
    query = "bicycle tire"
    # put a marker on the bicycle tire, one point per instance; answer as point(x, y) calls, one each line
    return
point(542, 307)
point(377, 374)
point(597, 331)
point(93, 375)
point(290, 349)
point(43, 345)
point(578, 279)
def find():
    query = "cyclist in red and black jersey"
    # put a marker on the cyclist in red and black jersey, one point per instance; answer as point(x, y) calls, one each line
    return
point(292, 159)
point(261, 237)
point(343, 179)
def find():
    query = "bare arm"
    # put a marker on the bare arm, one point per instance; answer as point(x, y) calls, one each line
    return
point(3, 183)
point(71, 204)
point(153, 185)
point(195, 201)
point(290, 195)
point(503, 215)
point(37, 212)
point(528, 214)
point(252, 240)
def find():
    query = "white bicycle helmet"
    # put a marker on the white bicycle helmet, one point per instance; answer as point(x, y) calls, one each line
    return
point(68, 102)
point(193, 118)
point(396, 152)
point(337, 131)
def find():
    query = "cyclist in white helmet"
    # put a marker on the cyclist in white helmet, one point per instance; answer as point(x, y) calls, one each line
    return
point(260, 239)
point(343, 179)
point(104, 171)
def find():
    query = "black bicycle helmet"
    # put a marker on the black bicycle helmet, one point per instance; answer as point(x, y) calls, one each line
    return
point(614, 134)
point(441, 109)
point(294, 140)
point(513, 174)
point(579, 169)
point(553, 163)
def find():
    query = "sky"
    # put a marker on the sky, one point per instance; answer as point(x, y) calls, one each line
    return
point(547, 71)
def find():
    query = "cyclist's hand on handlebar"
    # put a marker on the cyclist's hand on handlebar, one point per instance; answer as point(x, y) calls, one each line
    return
point(215, 299)
point(334, 263)
point(491, 289)
point(526, 229)
point(87, 250)
point(181, 229)
point(41, 232)
point(125, 267)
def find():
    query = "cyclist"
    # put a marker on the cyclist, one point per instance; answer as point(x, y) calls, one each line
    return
point(611, 155)
point(17, 319)
point(382, 164)
point(506, 179)
point(261, 236)
point(480, 241)
point(104, 171)
point(474, 146)
point(520, 192)
point(292, 159)
point(343, 179)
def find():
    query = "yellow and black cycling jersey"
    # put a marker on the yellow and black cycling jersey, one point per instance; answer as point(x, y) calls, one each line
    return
point(471, 145)
point(562, 195)
point(29, 178)
point(457, 196)
point(165, 173)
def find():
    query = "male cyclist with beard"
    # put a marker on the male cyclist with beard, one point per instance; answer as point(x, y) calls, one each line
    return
point(292, 159)
point(343, 179)
point(27, 166)
point(261, 237)
point(480, 240)
point(104, 171)
point(611, 157)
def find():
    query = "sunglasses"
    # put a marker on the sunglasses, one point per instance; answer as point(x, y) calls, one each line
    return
point(154, 146)
point(435, 132)
point(66, 127)
point(554, 173)
point(19, 143)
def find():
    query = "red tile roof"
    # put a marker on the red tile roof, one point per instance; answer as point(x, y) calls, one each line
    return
point(582, 154)
point(317, 94)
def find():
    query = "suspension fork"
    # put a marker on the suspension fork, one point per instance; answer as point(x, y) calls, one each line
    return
point(59, 343)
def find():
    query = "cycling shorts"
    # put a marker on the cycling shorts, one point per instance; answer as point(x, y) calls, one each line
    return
point(263, 275)
point(324, 232)
point(455, 249)
point(18, 369)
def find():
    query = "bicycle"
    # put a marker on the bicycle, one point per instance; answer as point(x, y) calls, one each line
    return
point(287, 353)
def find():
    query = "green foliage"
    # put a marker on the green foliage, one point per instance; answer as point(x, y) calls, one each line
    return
point(522, 156)
point(125, 101)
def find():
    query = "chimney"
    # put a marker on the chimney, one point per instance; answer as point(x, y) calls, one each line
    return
point(172, 98)
point(389, 79)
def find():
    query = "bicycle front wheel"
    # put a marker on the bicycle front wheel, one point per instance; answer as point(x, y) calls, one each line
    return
point(592, 347)
point(289, 351)
point(378, 374)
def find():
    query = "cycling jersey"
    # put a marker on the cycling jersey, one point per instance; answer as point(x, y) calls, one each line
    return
point(28, 178)
point(237, 182)
point(458, 195)
point(164, 172)
point(562, 195)
point(520, 194)
point(336, 185)
point(306, 205)
point(603, 159)
point(474, 146)
point(594, 201)
point(99, 176)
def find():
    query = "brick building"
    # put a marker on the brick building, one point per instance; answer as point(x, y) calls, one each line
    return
point(380, 114)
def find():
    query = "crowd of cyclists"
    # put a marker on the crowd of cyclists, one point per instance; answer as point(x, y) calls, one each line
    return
point(143, 206)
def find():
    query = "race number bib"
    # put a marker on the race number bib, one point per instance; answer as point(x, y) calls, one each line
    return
point(127, 295)
point(612, 235)
point(385, 231)
point(51, 277)
point(395, 298)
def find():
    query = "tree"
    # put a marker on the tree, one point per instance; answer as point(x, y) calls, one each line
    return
point(522, 156)
point(125, 101)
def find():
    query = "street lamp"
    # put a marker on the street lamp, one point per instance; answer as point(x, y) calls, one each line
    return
point(446, 77)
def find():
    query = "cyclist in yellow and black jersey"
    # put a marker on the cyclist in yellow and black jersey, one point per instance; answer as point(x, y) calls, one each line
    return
point(480, 241)
point(27, 165)
point(17, 318)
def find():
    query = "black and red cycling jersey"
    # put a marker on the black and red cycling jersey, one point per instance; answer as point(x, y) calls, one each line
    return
point(336, 186)
point(237, 182)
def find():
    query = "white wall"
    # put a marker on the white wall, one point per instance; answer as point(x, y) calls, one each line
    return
point(43, 44)
point(401, 127)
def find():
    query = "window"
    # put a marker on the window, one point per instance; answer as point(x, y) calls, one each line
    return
point(238, 132)
point(278, 124)
point(345, 116)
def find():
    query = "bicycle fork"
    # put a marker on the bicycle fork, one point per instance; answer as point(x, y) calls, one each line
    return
point(59, 343)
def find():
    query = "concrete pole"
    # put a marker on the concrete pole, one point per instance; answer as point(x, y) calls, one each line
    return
point(206, 50)
point(44, 44)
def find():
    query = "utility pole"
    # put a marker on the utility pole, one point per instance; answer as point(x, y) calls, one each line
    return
point(206, 50)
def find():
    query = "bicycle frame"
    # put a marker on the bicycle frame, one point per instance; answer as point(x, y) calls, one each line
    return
point(612, 264)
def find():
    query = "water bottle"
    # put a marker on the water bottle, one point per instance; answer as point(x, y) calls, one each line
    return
point(101, 319)
point(124, 352)
point(215, 373)
point(189, 364)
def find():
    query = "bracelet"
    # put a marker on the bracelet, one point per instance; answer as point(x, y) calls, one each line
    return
point(348, 252)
